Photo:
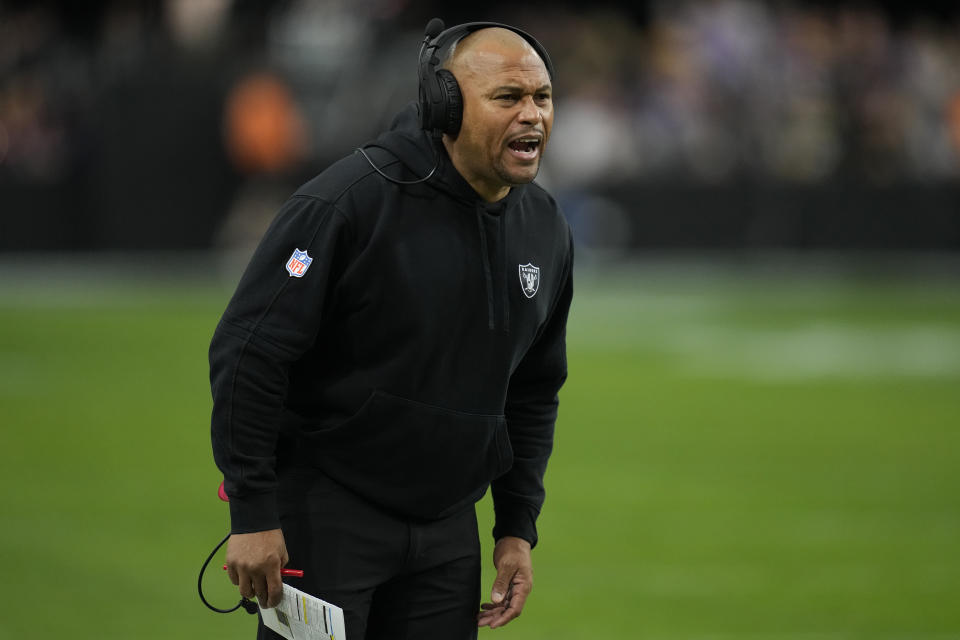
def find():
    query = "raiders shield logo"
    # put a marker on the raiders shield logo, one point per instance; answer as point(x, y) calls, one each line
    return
point(529, 279)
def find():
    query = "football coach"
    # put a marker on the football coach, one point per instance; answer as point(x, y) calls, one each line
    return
point(395, 348)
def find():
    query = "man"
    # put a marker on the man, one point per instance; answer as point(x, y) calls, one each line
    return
point(395, 347)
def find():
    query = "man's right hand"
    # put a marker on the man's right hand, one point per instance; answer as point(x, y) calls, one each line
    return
point(254, 561)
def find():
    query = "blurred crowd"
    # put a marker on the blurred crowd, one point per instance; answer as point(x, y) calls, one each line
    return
point(721, 90)
point(213, 109)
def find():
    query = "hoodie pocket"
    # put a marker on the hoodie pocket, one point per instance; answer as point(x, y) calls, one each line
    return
point(413, 458)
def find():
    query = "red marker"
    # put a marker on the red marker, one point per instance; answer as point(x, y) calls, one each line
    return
point(293, 573)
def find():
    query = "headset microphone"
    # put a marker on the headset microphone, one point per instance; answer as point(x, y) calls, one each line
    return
point(434, 28)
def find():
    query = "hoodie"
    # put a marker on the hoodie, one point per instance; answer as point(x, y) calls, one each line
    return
point(405, 340)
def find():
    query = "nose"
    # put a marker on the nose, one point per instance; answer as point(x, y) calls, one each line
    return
point(530, 113)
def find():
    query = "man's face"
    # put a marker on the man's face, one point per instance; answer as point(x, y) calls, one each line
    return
point(507, 117)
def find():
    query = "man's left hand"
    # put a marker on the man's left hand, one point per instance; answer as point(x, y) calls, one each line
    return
point(511, 557)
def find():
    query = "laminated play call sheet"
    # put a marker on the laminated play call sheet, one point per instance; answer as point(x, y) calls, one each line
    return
point(300, 616)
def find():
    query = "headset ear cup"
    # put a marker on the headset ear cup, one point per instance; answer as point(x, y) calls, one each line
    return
point(452, 113)
point(426, 114)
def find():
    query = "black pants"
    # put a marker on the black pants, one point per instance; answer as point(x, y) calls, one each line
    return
point(394, 578)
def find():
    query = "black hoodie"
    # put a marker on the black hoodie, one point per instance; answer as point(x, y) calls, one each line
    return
point(414, 353)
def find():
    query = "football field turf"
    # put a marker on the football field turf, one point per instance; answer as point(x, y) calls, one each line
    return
point(740, 454)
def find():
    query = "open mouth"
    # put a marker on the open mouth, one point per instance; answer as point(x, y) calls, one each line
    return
point(525, 147)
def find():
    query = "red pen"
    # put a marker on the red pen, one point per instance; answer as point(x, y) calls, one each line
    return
point(293, 573)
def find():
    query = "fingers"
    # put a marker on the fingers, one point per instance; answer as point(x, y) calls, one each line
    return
point(508, 569)
point(259, 585)
point(275, 583)
point(247, 589)
point(253, 564)
point(274, 590)
point(497, 615)
point(262, 582)
point(502, 583)
point(491, 613)
point(515, 606)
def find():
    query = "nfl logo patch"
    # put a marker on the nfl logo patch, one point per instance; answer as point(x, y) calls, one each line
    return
point(298, 263)
point(529, 279)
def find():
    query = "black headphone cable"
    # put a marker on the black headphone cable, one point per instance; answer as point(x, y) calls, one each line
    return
point(248, 605)
point(436, 164)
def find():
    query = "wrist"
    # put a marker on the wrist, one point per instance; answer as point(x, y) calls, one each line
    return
point(514, 541)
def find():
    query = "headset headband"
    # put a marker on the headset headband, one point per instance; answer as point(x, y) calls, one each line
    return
point(447, 37)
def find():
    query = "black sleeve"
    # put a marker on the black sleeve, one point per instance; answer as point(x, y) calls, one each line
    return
point(271, 321)
point(531, 411)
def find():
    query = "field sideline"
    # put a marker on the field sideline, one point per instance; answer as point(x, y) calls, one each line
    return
point(739, 455)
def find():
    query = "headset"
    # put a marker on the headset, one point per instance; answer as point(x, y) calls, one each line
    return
point(441, 103)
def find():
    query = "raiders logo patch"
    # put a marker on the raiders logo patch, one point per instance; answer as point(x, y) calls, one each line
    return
point(529, 279)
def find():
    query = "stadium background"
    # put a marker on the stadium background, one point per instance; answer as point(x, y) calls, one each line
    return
point(759, 435)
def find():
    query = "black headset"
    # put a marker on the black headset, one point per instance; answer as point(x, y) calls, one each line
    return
point(441, 103)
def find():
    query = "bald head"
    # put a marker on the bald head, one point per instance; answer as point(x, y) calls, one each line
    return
point(507, 101)
point(480, 50)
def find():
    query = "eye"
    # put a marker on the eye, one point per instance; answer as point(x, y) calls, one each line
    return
point(506, 96)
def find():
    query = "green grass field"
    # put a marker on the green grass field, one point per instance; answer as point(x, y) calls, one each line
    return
point(740, 454)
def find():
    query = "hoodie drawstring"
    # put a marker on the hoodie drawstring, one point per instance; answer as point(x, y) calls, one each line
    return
point(484, 251)
point(495, 279)
point(505, 274)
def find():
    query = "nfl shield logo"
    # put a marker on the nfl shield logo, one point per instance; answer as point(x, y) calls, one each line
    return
point(529, 279)
point(298, 263)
